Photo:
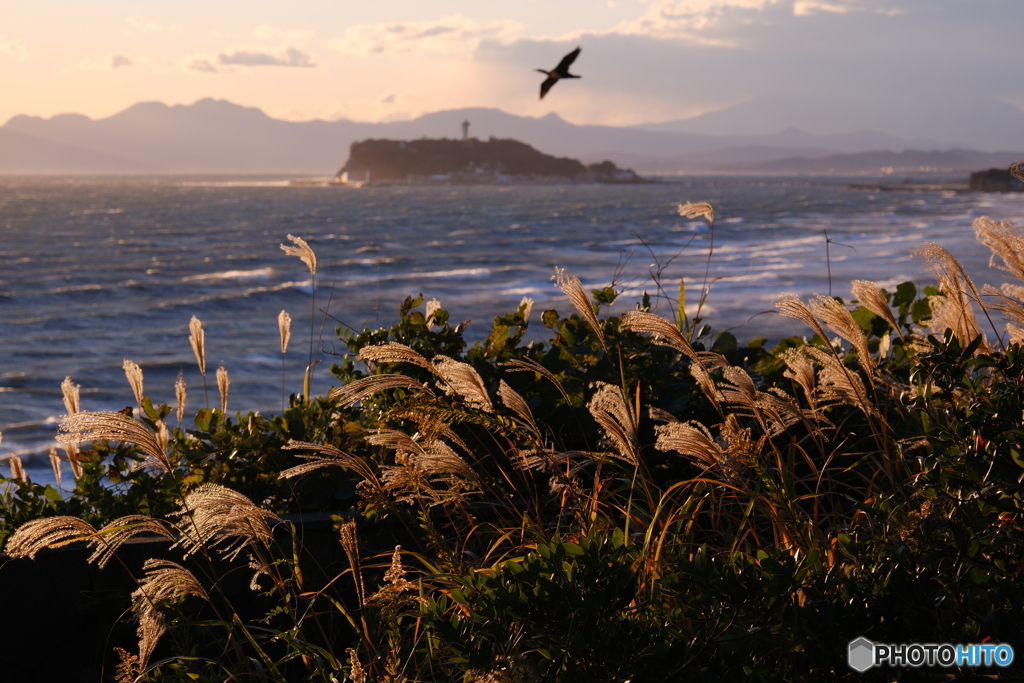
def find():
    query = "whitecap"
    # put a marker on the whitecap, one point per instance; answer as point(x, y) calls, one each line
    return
point(258, 273)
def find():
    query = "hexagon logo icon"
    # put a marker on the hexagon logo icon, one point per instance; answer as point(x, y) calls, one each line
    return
point(861, 655)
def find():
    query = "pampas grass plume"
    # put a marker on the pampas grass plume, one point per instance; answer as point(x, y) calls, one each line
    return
point(196, 337)
point(70, 391)
point(55, 464)
point(284, 326)
point(17, 469)
point(222, 386)
point(303, 251)
point(134, 374)
point(180, 395)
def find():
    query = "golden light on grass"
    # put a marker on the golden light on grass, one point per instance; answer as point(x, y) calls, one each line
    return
point(180, 396)
point(55, 464)
point(284, 328)
point(303, 251)
point(222, 386)
point(578, 297)
point(70, 390)
point(197, 338)
point(697, 210)
point(134, 374)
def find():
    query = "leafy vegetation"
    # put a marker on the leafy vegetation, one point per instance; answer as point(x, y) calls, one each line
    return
point(634, 500)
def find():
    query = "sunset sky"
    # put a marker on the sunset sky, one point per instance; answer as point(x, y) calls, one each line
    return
point(642, 61)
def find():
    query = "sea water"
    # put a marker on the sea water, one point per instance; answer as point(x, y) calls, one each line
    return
point(97, 270)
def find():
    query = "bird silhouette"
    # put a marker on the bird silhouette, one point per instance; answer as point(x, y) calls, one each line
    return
point(560, 71)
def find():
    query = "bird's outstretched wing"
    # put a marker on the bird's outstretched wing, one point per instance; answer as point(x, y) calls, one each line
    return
point(563, 66)
point(546, 85)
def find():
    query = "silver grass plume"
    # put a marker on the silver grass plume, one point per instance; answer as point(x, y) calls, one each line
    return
point(180, 396)
point(792, 307)
point(517, 404)
point(197, 338)
point(693, 440)
point(220, 518)
point(697, 210)
point(663, 332)
point(55, 464)
point(222, 386)
point(529, 365)
point(871, 297)
point(432, 307)
point(707, 384)
point(134, 374)
point(335, 456)
point(840, 321)
point(165, 581)
point(284, 328)
point(113, 535)
point(303, 251)
point(356, 390)
point(463, 380)
point(610, 410)
point(836, 384)
point(73, 459)
point(90, 426)
point(393, 352)
point(1005, 242)
point(17, 469)
point(578, 297)
point(660, 415)
point(350, 543)
point(49, 532)
point(70, 390)
point(954, 310)
point(526, 305)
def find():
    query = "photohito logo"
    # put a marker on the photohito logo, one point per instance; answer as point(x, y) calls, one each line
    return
point(864, 654)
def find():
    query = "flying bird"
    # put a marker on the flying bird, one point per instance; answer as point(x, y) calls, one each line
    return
point(560, 71)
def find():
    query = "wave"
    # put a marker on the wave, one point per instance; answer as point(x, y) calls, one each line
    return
point(257, 273)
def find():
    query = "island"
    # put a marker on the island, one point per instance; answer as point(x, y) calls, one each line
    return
point(470, 161)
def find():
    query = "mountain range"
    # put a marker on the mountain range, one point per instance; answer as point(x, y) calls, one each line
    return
point(216, 136)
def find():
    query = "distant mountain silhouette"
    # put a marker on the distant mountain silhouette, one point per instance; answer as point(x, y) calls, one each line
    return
point(953, 122)
point(216, 136)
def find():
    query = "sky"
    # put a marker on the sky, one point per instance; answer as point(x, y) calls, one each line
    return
point(642, 60)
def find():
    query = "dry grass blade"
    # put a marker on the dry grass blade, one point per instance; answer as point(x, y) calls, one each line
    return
point(357, 390)
point(222, 386)
point(112, 536)
point(220, 518)
point(335, 456)
point(393, 352)
point(578, 297)
point(303, 251)
point(284, 328)
point(70, 390)
point(134, 374)
point(870, 295)
point(610, 410)
point(461, 379)
point(517, 404)
point(197, 338)
point(663, 331)
point(49, 532)
point(529, 365)
point(90, 426)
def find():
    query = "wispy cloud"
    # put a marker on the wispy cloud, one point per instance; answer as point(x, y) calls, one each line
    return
point(13, 48)
point(289, 52)
point(111, 63)
point(449, 35)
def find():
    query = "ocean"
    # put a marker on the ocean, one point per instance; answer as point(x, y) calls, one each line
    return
point(96, 270)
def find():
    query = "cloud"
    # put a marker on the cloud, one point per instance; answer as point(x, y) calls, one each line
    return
point(271, 34)
point(449, 35)
point(290, 56)
point(13, 48)
point(110, 63)
point(726, 22)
